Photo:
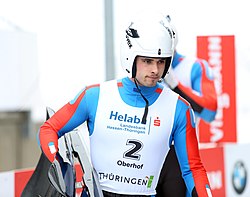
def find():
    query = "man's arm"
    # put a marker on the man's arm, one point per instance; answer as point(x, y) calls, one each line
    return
point(186, 146)
point(64, 120)
point(202, 95)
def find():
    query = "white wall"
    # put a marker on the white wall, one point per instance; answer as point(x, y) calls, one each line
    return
point(19, 76)
point(70, 45)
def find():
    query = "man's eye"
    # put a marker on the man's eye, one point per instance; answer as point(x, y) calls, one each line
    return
point(147, 61)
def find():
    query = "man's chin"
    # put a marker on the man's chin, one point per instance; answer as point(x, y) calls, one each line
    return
point(152, 84)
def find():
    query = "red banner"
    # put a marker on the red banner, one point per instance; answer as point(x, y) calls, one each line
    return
point(215, 169)
point(219, 51)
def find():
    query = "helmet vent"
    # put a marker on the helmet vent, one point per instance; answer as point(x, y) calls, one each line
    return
point(132, 33)
point(159, 51)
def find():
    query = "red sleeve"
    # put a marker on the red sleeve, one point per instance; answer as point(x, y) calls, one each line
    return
point(48, 140)
point(196, 166)
point(208, 99)
point(48, 134)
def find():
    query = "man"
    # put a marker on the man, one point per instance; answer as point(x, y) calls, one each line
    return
point(192, 79)
point(132, 121)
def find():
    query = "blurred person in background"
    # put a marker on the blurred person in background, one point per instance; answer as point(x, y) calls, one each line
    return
point(191, 78)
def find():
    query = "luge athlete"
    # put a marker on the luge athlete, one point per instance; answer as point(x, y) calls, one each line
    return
point(132, 121)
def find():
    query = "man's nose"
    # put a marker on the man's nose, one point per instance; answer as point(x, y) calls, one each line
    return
point(155, 67)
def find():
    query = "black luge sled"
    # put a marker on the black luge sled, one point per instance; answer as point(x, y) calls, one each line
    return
point(39, 184)
point(58, 179)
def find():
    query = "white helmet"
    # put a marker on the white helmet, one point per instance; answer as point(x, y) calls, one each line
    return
point(149, 39)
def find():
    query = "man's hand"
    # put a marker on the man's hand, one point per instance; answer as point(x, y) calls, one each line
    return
point(170, 79)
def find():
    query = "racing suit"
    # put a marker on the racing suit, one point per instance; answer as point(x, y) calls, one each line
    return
point(128, 155)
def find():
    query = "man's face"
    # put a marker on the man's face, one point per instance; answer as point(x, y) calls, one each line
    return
point(149, 70)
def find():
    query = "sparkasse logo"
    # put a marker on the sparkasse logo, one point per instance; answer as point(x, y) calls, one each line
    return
point(157, 122)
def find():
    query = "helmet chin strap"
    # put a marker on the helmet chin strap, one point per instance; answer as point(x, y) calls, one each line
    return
point(160, 80)
point(144, 118)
